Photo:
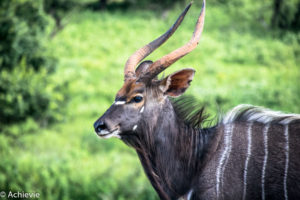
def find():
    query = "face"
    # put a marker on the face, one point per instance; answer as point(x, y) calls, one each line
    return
point(124, 114)
point(136, 98)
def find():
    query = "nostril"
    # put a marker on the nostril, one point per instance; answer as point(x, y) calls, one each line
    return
point(100, 126)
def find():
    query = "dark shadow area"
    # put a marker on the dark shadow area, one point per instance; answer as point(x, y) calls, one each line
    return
point(103, 5)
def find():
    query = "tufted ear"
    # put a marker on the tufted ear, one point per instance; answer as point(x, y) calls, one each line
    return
point(175, 84)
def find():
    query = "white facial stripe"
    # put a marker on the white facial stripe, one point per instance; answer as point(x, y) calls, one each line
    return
point(247, 159)
point(134, 128)
point(120, 102)
point(286, 135)
point(224, 156)
point(142, 110)
point(265, 136)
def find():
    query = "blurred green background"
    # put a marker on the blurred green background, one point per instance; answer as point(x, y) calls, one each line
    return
point(61, 63)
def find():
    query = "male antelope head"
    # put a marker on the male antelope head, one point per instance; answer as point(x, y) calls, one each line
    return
point(142, 95)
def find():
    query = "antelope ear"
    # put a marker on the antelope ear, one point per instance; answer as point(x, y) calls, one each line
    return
point(175, 84)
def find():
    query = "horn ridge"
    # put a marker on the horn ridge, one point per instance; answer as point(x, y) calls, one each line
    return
point(167, 60)
point(140, 54)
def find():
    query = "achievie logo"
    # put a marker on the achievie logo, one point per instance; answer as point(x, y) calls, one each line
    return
point(20, 195)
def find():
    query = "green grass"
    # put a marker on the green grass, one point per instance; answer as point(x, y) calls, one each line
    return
point(235, 63)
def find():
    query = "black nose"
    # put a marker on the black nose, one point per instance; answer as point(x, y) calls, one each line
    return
point(99, 126)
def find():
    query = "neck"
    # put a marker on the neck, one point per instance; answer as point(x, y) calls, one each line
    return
point(172, 153)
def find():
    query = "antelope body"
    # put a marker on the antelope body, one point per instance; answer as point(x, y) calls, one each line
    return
point(252, 153)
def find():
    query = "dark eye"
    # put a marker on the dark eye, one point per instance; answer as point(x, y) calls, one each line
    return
point(137, 99)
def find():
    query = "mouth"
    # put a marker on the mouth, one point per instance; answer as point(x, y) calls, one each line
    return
point(108, 134)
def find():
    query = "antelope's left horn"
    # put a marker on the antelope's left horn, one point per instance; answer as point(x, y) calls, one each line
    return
point(161, 64)
point(139, 55)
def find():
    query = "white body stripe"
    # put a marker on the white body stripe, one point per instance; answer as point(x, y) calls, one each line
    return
point(230, 129)
point(249, 113)
point(265, 139)
point(224, 156)
point(286, 135)
point(249, 148)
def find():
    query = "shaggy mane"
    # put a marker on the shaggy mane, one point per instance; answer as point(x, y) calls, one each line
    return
point(250, 113)
point(190, 111)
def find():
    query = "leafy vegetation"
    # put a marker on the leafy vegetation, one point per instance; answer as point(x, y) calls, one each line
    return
point(27, 94)
point(59, 10)
point(239, 60)
point(22, 30)
point(286, 14)
point(27, 90)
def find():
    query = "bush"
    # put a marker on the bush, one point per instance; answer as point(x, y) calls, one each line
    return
point(278, 14)
point(22, 32)
point(25, 93)
point(286, 14)
point(27, 90)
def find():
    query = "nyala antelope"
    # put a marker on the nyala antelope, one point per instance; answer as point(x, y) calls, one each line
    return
point(251, 153)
